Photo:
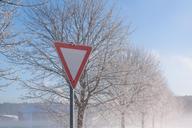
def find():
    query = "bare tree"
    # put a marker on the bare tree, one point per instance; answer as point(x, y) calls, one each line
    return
point(6, 41)
point(87, 22)
point(154, 100)
point(8, 38)
point(137, 75)
point(139, 87)
point(20, 4)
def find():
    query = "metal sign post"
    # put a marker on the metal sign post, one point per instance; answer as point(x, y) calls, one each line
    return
point(71, 106)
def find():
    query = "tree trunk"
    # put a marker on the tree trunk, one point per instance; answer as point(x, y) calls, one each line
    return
point(122, 120)
point(80, 116)
point(153, 121)
point(142, 120)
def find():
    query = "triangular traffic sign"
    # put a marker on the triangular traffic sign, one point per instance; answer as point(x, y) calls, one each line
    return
point(74, 59)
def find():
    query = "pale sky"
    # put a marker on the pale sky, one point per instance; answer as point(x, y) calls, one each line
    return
point(164, 27)
point(161, 26)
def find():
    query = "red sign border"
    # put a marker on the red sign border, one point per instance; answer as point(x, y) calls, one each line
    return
point(88, 49)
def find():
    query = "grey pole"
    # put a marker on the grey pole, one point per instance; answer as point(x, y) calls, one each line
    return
point(71, 106)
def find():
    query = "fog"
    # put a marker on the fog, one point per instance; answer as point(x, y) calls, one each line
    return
point(184, 121)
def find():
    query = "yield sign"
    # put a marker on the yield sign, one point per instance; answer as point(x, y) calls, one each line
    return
point(74, 59)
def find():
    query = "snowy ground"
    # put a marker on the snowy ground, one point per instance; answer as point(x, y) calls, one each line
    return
point(181, 122)
point(24, 124)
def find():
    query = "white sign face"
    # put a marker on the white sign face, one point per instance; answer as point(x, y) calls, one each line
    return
point(73, 58)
